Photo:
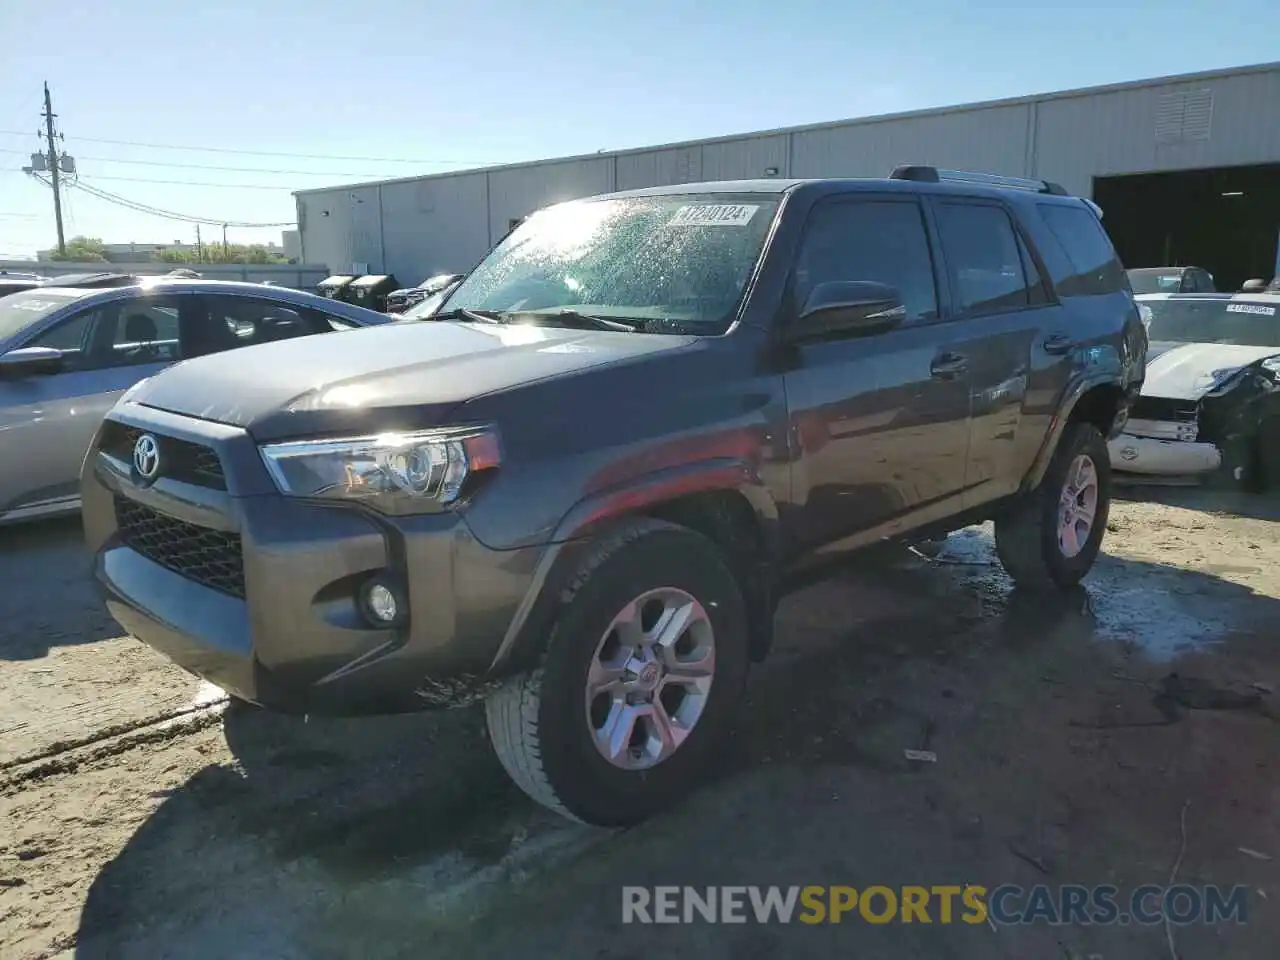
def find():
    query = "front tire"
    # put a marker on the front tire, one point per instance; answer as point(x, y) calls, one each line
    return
point(1266, 466)
point(1052, 537)
point(642, 674)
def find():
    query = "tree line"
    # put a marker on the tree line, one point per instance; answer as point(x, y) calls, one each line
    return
point(93, 250)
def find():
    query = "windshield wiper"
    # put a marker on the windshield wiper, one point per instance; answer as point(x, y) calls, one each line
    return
point(579, 319)
point(463, 313)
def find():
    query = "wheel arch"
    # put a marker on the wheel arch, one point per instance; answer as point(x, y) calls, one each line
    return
point(1101, 401)
point(722, 500)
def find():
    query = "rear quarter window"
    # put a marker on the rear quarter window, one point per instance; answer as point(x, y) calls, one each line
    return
point(1095, 268)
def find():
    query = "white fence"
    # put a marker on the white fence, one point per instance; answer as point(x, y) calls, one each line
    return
point(300, 276)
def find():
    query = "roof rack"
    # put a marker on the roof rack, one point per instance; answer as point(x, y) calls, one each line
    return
point(926, 174)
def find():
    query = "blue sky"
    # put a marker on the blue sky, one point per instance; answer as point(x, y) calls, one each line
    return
point(447, 85)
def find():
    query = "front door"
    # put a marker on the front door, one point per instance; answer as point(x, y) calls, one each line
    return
point(48, 421)
point(879, 423)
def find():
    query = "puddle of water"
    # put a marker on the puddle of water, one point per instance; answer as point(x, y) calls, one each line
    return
point(1157, 621)
point(972, 545)
point(1165, 611)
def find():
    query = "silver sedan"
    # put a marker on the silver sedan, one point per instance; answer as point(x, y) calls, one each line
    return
point(67, 354)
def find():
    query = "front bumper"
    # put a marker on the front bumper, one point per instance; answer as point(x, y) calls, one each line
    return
point(257, 592)
point(1168, 458)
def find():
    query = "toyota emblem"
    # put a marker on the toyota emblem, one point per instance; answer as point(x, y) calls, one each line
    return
point(146, 457)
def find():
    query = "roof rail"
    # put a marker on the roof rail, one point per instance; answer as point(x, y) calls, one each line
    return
point(926, 174)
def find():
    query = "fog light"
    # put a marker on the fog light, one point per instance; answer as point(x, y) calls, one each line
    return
point(382, 603)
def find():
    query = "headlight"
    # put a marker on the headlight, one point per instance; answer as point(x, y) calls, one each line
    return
point(1218, 382)
point(1221, 377)
point(1224, 373)
point(392, 472)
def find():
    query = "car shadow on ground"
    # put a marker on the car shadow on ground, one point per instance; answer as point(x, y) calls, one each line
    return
point(48, 596)
point(401, 836)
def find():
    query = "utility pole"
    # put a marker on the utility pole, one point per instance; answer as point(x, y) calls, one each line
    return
point(53, 169)
point(199, 247)
point(224, 241)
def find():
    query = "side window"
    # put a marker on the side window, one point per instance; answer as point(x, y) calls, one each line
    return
point(146, 331)
point(244, 321)
point(880, 240)
point(984, 257)
point(1096, 268)
point(69, 335)
point(322, 322)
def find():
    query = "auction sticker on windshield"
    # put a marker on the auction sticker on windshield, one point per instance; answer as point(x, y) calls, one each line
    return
point(1258, 308)
point(35, 304)
point(714, 215)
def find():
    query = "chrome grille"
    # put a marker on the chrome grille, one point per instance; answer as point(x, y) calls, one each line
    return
point(179, 459)
point(1162, 408)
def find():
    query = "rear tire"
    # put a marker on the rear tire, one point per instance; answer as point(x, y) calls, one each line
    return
point(604, 759)
point(1052, 536)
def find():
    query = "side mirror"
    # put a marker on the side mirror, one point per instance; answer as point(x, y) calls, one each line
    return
point(30, 362)
point(854, 308)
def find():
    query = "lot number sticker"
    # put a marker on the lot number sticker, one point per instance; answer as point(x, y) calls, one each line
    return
point(715, 215)
point(34, 305)
point(1258, 308)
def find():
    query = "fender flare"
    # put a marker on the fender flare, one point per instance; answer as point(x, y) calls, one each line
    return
point(1059, 423)
point(597, 511)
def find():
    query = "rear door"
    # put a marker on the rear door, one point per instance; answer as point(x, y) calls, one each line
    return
point(1000, 306)
point(1099, 331)
point(881, 421)
point(239, 321)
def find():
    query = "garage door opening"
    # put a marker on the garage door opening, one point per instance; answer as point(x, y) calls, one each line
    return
point(1226, 220)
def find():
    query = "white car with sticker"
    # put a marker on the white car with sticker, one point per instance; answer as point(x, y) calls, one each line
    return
point(1203, 347)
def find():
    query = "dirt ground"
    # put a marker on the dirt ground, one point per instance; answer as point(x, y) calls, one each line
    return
point(1074, 738)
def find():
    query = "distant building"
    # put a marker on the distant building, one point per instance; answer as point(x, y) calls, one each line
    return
point(1186, 169)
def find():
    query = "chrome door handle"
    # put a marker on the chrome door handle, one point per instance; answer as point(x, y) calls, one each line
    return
point(947, 366)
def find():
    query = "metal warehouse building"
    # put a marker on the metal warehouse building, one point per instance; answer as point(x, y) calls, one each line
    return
point(1186, 168)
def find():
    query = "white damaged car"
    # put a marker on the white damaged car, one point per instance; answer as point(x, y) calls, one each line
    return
point(1210, 403)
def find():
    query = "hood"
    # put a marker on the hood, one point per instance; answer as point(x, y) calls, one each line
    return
point(1186, 371)
point(357, 378)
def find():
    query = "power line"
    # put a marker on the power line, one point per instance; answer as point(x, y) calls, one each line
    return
point(138, 207)
point(168, 214)
point(195, 183)
point(206, 166)
point(257, 153)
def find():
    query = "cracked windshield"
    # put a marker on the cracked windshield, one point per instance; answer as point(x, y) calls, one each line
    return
point(722, 482)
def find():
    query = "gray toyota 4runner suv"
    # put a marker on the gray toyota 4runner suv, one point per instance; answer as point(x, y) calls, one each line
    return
point(576, 493)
